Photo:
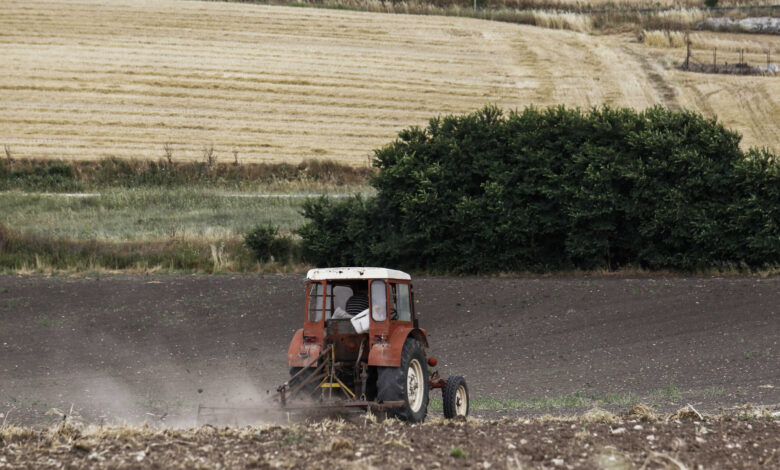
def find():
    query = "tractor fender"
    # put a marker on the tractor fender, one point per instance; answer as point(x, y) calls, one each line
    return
point(302, 354)
point(388, 354)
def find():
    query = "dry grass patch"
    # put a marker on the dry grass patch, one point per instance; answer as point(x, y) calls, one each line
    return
point(466, 7)
point(681, 16)
point(643, 413)
point(657, 38)
point(557, 20)
point(688, 413)
point(705, 41)
point(597, 415)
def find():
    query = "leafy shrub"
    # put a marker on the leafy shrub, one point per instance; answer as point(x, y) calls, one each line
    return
point(341, 231)
point(267, 245)
point(558, 189)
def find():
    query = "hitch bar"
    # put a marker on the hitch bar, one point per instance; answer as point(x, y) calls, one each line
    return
point(285, 388)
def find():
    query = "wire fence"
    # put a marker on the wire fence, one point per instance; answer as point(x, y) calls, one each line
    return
point(730, 62)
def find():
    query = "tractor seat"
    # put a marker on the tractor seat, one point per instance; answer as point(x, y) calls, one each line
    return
point(356, 304)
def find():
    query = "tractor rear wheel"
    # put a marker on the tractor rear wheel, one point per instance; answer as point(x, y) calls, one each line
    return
point(455, 397)
point(407, 383)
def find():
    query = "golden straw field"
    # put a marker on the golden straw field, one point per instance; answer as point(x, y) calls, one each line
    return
point(90, 79)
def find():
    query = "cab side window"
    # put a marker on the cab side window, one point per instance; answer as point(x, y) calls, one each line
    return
point(315, 301)
point(378, 301)
point(401, 310)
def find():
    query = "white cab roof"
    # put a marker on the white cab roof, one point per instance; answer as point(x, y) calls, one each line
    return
point(321, 274)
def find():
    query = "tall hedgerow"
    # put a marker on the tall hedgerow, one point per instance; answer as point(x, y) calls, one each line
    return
point(557, 188)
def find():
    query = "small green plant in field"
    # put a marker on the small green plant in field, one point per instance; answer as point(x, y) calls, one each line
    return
point(458, 453)
point(293, 437)
point(670, 392)
point(567, 401)
point(169, 319)
point(617, 399)
point(44, 320)
point(161, 405)
point(712, 392)
point(748, 354)
point(574, 400)
point(36, 402)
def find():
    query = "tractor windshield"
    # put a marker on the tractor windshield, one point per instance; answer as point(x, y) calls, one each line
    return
point(342, 299)
point(349, 299)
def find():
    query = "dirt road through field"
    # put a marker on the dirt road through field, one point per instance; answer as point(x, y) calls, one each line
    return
point(151, 348)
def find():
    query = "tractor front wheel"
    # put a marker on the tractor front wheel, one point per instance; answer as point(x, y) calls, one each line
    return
point(407, 383)
point(455, 397)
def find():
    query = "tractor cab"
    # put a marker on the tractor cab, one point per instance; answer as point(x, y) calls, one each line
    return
point(361, 344)
point(356, 309)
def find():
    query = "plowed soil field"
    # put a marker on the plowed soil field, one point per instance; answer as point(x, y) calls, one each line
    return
point(126, 346)
point(149, 349)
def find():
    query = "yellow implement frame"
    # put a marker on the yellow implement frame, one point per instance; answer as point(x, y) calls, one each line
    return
point(331, 381)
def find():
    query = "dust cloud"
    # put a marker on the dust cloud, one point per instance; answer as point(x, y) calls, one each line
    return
point(111, 381)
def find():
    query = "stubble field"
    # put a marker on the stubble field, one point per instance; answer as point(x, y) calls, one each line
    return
point(85, 80)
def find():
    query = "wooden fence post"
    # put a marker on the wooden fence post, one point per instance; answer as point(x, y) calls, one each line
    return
point(715, 60)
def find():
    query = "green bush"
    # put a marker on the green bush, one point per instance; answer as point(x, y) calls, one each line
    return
point(268, 245)
point(558, 189)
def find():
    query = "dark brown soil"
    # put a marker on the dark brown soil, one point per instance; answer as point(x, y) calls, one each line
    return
point(151, 348)
point(615, 443)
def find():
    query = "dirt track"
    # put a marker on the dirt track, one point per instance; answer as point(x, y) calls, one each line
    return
point(148, 348)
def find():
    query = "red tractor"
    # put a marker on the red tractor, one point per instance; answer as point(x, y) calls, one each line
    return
point(361, 346)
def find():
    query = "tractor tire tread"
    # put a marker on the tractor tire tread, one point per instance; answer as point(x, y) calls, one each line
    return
point(449, 396)
point(391, 383)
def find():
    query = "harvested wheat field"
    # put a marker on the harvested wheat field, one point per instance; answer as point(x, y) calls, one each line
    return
point(85, 80)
